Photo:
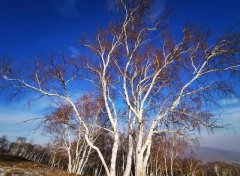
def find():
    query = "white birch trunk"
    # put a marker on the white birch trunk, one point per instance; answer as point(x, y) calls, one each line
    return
point(128, 167)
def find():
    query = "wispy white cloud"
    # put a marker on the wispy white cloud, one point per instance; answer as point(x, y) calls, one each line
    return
point(111, 4)
point(223, 141)
point(229, 101)
point(14, 118)
point(232, 113)
point(156, 10)
point(65, 8)
point(14, 115)
point(228, 138)
point(73, 51)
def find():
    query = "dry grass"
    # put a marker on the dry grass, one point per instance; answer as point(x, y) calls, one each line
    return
point(19, 166)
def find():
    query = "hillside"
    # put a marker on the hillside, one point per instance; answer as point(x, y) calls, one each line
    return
point(208, 154)
point(17, 166)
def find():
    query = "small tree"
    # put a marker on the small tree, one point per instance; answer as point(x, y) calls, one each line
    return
point(68, 135)
point(4, 144)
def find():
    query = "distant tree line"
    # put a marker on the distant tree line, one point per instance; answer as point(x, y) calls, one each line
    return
point(166, 160)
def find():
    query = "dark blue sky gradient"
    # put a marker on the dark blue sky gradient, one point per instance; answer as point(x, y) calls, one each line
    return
point(31, 26)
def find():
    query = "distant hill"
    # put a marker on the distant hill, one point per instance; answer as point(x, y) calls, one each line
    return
point(208, 154)
point(13, 165)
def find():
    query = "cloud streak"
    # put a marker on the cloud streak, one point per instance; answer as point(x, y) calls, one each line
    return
point(12, 119)
point(65, 8)
point(74, 52)
point(229, 101)
point(228, 139)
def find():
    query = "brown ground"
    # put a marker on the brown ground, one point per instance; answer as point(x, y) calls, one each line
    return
point(17, 166)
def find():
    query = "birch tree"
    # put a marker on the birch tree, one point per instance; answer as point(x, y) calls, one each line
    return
point(162, 82)
point(69, 138)
point(166, 149)
point(144, 76)
point(52, 78)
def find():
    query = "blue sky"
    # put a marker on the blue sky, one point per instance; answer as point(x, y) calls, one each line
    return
point(29, 27)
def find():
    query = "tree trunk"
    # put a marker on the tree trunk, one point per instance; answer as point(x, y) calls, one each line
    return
point(114, 154)
point(69, 161)
point(128, 167)
point(139, 168)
